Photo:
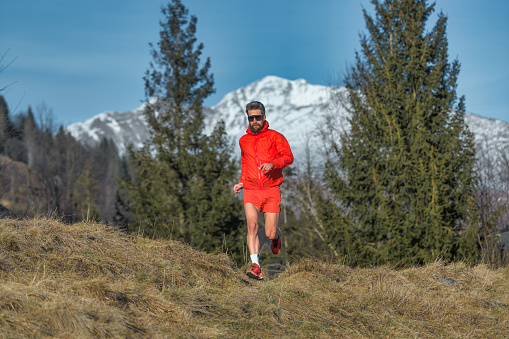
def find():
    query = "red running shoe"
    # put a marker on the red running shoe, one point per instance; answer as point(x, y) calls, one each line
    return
point(275, 244)
point(255, 272)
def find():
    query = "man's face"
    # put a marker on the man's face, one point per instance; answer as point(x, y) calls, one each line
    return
point(258, 120)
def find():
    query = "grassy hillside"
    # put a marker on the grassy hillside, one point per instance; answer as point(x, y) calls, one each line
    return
point(89, 280)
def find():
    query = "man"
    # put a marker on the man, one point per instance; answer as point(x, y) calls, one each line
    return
point(264, 154)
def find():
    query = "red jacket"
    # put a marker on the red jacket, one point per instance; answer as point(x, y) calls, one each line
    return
point(259, 148)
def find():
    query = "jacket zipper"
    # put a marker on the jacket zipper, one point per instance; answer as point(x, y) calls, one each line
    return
point(258, 163)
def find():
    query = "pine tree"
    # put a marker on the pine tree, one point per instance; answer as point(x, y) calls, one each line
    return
point(183, 178)
point(5, 126)
point(402, 176)
point(31, 139)
point(85, 195)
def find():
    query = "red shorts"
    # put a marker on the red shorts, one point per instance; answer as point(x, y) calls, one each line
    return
point(267, 200)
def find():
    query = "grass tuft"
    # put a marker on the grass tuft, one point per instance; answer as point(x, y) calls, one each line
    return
point(89, 280)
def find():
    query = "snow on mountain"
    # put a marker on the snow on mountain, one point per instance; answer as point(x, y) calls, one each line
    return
point(123, 128)
point(294, 108)
point(494, 132)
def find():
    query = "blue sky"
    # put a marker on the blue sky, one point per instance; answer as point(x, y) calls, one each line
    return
point(81, 58)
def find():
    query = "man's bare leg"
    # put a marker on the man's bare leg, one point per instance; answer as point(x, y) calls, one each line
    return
point(252, 213)
point(271, 224)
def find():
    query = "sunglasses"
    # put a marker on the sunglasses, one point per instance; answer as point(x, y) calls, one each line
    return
point(253, 117)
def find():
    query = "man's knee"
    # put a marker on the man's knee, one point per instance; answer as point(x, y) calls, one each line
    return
point(252, 227)
point(271, 233)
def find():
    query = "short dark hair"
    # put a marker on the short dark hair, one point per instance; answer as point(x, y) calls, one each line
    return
point(255, 105)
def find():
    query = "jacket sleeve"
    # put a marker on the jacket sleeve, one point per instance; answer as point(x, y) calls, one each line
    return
point(242, 167)
point(242, 175)
point(285, 157)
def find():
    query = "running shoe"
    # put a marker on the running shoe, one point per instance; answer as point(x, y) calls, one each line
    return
point(255, 272)
point(275, 244)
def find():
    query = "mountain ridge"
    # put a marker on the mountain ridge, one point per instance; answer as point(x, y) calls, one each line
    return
point(293, 107)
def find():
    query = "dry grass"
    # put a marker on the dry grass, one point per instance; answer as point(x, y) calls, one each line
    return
point(91, 281)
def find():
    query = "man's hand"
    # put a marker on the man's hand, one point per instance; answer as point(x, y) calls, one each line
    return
point(237, 188)
point(266, 167)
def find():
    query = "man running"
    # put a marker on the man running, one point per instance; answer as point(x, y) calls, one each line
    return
point(264, 154)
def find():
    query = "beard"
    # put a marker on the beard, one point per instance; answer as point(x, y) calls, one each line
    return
point(256, 127)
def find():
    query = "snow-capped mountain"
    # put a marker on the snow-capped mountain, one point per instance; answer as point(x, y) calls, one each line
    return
point(123, 128)
point(294, 108)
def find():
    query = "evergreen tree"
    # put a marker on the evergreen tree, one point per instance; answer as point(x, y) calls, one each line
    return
point(106, 170)
point(31, 138)
point(85, 196)
point(68, 162)
point(183, 178)
point(402, 176)
point(307, 233)
point(5, 126)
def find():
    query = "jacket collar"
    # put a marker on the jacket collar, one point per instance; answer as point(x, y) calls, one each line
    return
point(264, 129)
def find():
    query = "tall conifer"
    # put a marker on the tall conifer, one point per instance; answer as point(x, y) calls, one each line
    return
point(402, 176)
point(5, 126)
point(183, 178)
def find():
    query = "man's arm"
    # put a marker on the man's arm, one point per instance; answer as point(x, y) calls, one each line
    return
point(285, 153)
point(238, 187)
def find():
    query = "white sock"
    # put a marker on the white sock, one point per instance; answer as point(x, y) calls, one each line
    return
point(254, 259)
